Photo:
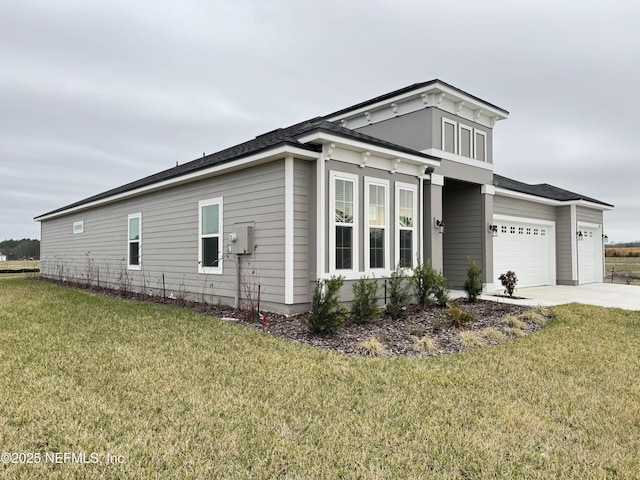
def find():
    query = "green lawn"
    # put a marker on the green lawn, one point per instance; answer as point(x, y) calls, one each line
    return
point(180, 395)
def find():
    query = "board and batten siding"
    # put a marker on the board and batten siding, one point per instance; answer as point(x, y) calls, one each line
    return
point(169, 244)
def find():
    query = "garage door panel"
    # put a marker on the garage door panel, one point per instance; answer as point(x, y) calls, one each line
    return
point(527, 249)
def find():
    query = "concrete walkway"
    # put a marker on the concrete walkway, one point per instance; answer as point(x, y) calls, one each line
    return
point(602, 294)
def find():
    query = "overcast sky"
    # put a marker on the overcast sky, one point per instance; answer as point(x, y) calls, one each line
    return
point(95, 94)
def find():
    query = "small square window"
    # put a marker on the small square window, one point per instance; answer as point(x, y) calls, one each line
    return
point(78, 227)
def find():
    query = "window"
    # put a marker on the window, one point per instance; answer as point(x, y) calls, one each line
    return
point(135, 241)
point(449, 135)
point(210, 236)
point(466, 141)
point(343, 254)
point(480, 146)
point(78, 227)
point(376, 236)
point(406, 208)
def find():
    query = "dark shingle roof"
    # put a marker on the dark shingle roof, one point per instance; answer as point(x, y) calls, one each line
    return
point(264, 142)
point(415, 86)
point(543, 190)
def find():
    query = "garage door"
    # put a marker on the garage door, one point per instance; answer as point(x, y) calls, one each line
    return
point(589, 255)
point(526, 247)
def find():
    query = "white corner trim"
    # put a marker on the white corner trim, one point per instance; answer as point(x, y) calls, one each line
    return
point(488, 190)
point(437, 179)
point(321, 217)
point(574, 244)
point(288, 230)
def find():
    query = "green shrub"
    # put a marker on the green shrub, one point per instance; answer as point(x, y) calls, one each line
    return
point(429, 284)
point(365, 300)
point(399, 294)
point(509, 281)
point(473, 283)
point(327, 314)
point(458, 315)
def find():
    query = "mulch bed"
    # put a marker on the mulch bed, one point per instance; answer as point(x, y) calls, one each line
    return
point(398, 336)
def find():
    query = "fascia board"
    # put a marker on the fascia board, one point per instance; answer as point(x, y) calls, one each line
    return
point(549, 201)
point(436, 87)
point(261, 157)
point(364, 146)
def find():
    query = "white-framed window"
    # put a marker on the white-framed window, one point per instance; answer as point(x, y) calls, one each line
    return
point(449, 135)
point(134, 235)
point(343, 236)
point(465, 139)
point(406, 216)
point(376, 236)
point(78, 227)
point(210, 236)
point(480, 145)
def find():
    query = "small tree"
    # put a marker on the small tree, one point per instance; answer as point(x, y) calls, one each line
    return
point(365, 300)
point(509, 281)
point(327, 314)
point(473, 283)
point(428, 284)
point(399, 294)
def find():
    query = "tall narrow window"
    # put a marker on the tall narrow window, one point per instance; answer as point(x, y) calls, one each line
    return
point(406, 211)
point(480, 145)
point(344, 208)
point(466, 141)
point(135, 241)
point(210, 237)
point(449, 135)
point(376, 237)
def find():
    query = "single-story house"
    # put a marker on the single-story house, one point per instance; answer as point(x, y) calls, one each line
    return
point(3, 257)
point(404, 177)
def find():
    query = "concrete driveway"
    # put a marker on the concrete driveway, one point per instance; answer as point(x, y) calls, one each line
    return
point(602, 294)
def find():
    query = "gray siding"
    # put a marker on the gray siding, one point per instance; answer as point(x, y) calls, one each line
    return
point(589, 215)
point(462, 212)
point(437, 115)
point(564, 239)
point(413, 130)
point(170, 237)
point(522, 208)
point(304, 256)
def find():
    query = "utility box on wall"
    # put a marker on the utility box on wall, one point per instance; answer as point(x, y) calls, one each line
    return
point(244, 240)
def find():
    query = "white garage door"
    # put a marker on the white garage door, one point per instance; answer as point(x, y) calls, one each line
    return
point(589, 255)
point(526, 247)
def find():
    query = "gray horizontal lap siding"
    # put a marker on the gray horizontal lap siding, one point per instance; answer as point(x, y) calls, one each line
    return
point(564, 260)
point(522, 208)
point(589, 215)
point(170, 236)
point(462, 214)
point(302, 254)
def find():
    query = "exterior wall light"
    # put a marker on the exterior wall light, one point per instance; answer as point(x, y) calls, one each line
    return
point(605, 238)
point(493, 229)
point(580, 236)
point(440, 225)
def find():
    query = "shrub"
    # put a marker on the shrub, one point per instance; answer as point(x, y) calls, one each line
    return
point(428, 283)
point(372, 348)
point(399, 296)
point(534, 317)
point(365, 300)
point(426, 345)
point(469, 339)
point(327, 314)
point(458, 315)
point(509, 281)
point(473, 283)
point(492, 334)
point(513, 321)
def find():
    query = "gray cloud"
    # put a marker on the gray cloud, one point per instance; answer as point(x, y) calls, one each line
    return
point(97, 94)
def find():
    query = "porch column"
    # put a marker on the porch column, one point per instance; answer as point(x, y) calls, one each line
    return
point(432, 209)
point(488, 191)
